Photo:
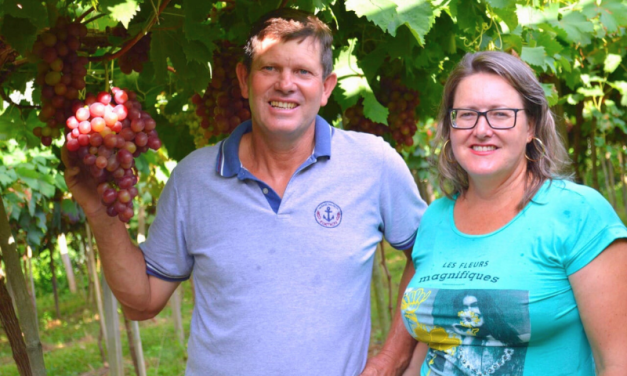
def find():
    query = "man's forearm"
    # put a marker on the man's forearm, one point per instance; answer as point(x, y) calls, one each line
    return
point(122, 262)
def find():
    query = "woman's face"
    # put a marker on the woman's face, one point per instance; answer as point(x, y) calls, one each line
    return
point(483, 152)
point(472, 314)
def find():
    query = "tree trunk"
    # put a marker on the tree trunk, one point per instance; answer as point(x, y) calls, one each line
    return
point(578, 142)
point(114, 344)
point(24, 305)
point(606, 179)
point(593, 153)
point(175, 305)
point(611, 178)
point(91, 260)
point(55, 289)
point(378, 289)
point(69, 272)
point(12, 328)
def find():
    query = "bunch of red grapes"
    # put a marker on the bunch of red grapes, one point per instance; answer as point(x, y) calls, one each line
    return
point(106, 133)
point(60, 73)
point(401, 103)
point(136, 56)
point(357, 121)
point(222, 107)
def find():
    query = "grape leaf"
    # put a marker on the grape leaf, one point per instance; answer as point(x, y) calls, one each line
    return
point(354, 85)
point(508, 15)
point(310, 5)
point(612, 62)
point(502, 4)
point(552, 96)
point(577, 27)
point(33, 10)
point(549, 42)
point(177, 141)
point(7, 176)
point(374, 110)
point(159, 53)
point(612, 13)
point(20, 33)
point(534, 56)
point(195, 13)
point(380, 12)
point(621, 86)
point(417, 15)
point(121, 10)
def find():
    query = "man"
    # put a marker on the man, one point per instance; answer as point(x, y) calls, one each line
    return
point(279, 223)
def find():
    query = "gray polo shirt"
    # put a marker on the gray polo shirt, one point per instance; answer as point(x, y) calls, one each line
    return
point(282, 285)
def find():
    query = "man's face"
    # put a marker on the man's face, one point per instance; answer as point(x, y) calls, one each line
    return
point(285, 86)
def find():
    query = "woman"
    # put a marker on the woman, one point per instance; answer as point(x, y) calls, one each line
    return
point(549, 253)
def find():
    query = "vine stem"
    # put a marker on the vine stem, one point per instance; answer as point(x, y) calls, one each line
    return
point(82, 16)
point(132, 42)
point(94, 18)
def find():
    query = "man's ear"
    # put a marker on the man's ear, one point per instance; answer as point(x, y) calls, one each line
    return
point(328, 86)
point(242, 77)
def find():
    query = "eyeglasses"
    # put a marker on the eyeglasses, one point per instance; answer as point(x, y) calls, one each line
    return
point(498, 118)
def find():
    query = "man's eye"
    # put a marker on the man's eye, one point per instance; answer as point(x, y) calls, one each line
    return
point(303, 71)
point(268, 68)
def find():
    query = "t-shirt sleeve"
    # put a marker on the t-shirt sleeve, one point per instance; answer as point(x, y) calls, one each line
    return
point(400, 203)
point(165, 249)
point(596, 228)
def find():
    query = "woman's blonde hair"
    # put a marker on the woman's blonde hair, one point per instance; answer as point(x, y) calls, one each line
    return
point(545, 161)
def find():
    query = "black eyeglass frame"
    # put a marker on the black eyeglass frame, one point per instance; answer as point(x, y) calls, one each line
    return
point(484, 114)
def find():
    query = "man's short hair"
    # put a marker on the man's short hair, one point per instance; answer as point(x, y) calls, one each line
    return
point(286, 24)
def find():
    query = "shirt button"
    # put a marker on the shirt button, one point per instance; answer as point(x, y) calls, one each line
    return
point(265, 191)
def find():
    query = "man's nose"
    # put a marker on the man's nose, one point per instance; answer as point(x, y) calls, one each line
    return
point(285, 81)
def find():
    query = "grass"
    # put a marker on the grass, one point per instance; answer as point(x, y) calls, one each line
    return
point(71, 344)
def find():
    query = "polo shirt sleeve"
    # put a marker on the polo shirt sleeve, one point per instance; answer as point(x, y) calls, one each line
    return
point(597, 225)
point(400, 203)
point(165, 249)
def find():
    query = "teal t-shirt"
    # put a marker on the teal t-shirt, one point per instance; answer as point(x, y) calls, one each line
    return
point(501, 303)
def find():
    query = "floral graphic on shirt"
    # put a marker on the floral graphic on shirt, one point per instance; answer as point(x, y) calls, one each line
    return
point(470, 332)
point(435, 336)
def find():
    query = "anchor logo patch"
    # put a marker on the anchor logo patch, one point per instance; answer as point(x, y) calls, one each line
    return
point(328, 214)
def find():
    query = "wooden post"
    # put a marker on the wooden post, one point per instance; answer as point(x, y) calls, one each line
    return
point(65, 257)
point(31, 280)
point(55, 289)
point(175, 305)
point(25, 309)
point(91, 260)
point(112, 320)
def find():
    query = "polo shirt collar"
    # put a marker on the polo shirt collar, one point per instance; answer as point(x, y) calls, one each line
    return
point(229, 165)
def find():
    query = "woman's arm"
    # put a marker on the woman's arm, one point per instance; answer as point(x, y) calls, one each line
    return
point(600, 289)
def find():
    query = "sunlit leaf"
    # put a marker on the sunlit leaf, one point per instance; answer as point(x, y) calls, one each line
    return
point(534, 56)
point(612, 62)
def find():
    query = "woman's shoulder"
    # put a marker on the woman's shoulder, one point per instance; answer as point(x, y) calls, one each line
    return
point(576, 199)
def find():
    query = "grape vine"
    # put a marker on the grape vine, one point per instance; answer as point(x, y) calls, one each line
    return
point(401, 102)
